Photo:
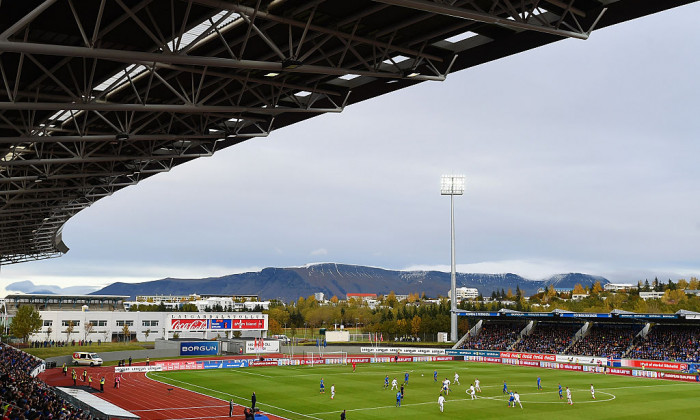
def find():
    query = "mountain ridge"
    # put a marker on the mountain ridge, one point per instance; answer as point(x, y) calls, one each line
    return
point(333, 279)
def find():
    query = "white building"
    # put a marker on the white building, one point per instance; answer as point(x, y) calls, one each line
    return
point(228, 303)
point(651, 295)
point(464, 293)
point(147, 326)
point(203, 303)
point(619, 287)
point(319, 296)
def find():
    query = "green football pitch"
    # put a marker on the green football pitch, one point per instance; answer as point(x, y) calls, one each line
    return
point(293, 392)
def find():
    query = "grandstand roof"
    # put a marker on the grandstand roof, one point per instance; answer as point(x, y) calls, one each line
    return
point(613, 316)
point(99, 95)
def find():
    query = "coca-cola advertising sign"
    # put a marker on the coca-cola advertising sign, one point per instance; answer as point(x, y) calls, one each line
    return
point(188, 324)
point(205, 324)
point(529, 356)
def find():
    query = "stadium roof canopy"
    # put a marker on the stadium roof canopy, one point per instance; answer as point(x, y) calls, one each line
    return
point(559, 314)
point(98, 95)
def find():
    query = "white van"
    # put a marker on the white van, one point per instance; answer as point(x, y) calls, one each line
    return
point(85, 358)
point(283, 338)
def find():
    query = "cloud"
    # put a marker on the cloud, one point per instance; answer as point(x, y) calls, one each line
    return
point(320, 251)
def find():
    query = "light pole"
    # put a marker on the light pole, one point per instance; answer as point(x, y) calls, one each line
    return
point(452, 185)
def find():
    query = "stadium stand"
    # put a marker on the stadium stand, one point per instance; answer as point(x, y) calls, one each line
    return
point(548, 337)
point(24, 397)
point(494, 336)
point(606, 340)
point(669, 343)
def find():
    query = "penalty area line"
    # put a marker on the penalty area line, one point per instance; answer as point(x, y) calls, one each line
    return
point(236, 396)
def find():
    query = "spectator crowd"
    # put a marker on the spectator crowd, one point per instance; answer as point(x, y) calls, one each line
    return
point(494, 336)
point(606, 340)
point(670, 343)
point(663, 342)
point(24, 397)
point(547, 337)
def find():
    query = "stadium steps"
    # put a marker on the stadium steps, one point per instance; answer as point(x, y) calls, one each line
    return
point(474, 331)
point(576, 340)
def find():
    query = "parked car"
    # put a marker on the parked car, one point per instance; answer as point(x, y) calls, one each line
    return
point(282, 338)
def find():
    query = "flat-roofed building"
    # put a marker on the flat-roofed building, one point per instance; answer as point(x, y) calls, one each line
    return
point(51, 302)
point(619, 287)
point(363, 297)
point(651, 295)
point(464, 293)
point(108, 326)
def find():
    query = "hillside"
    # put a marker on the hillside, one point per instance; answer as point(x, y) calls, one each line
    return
point(288, 284)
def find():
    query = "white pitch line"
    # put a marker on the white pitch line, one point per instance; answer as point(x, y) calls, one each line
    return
point(232, 395)
point(181, 408)
point(252, 373)
point(504, 399)
point(385, 406)
point(208, 417)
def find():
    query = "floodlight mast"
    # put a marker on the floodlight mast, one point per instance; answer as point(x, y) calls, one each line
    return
point(452, 185)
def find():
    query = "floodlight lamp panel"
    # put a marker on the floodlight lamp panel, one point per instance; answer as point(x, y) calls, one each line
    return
point(452, 185)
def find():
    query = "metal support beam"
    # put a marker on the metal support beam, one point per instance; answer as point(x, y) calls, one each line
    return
point(150, 58)
point(183, 109)
point(249, 11)
point(26, 19)
point(458, 12)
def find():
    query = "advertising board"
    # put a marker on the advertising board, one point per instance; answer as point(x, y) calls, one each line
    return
point(199, 348)
point(262, 346)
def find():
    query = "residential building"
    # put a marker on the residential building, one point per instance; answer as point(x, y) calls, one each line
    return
point(651, 295)
point(363, 297)
point(619, 287)
point(464, 293)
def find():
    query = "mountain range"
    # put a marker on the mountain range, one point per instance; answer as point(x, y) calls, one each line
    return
point(288, 284)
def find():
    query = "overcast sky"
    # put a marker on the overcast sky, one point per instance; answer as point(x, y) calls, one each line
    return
point(580, 156)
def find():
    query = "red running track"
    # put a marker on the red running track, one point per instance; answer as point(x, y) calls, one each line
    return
point(151, 400)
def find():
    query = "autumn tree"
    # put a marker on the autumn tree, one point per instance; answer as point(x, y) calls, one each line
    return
point(26, 322)
point(551, 292)
point(69, 330)
point(579, 290)
point(334, 300)
point(273, 327)
point(415, 325)
point(88, 329)
point(279, 314)
point(596, 289)
point(391, 299)
point(673, 297)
